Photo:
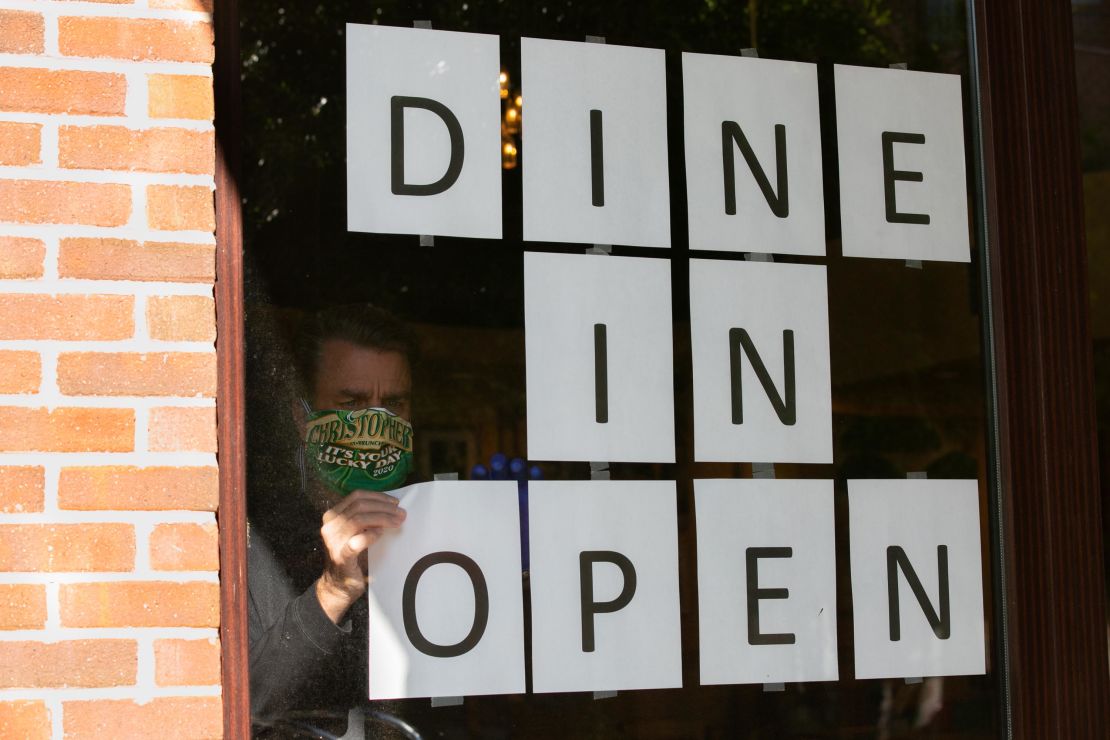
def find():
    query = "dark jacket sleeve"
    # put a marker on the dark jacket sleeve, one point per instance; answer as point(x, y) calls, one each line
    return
point(291, 641)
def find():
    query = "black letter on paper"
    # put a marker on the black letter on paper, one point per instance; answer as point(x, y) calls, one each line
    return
point(481, 605)
point(597, 159)
point(601, 374)
point(780, 201)
point(590, 607)
point(755, 593)
point(740, 343)
point(890, 175)
point(896, 558)
point(397, 105)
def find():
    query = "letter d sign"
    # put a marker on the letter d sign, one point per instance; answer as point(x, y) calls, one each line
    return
point(423, 144)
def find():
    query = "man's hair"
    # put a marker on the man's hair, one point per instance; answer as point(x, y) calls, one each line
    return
point(361, 323)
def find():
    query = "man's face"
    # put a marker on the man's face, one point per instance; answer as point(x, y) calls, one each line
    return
point(351, 376)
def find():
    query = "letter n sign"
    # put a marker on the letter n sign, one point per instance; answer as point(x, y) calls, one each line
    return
point(917, 578)
point(753, 155)
point(423, 142)
point(760, 337)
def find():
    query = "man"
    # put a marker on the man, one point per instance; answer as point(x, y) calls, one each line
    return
point(307, 644)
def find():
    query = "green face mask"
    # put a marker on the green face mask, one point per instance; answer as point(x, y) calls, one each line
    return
point(365, 449)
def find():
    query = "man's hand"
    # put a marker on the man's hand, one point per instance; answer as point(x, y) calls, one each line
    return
point(350, 527)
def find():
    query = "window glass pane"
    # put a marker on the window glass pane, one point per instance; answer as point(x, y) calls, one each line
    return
point(908, 390)
point(1092, 68)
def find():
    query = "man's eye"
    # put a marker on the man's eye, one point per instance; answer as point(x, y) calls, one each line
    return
point(347, 404)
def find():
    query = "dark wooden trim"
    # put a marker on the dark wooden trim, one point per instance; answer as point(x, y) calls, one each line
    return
point(230, 360)
point(1051, 523)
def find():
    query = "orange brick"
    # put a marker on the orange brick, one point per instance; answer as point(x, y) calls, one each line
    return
point(184, 547)
point(186, 662)
point(180, 207)
point(21, 488)
point(151, 150)
point(68, 317)
point(172, 718)
point(22, 607)
point(139, 489)
point(180, 96)
point(66, 430)
point(85, 663)
point(20, 372)
point(203, 6)
point(182, 429)
point(136, 38)
point(33, 90)
point(135, 374)
point(46, 202)
point(120, 259)
point(140, 604)
point(19, 142)
point(184, 318)
point(20, 32)
point(21, 257)
point(27, 720)
point(53, 548)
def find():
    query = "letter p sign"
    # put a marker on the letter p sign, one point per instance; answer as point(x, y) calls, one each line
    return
point(423, 144)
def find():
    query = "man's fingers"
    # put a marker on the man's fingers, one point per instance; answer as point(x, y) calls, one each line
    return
point(369, 507)
point(340, 530)
point(359, 498)
point(360, 542)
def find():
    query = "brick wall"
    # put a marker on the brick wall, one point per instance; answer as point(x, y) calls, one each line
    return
point(109, 596)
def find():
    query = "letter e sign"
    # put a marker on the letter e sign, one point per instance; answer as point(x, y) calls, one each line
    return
point(900, 140)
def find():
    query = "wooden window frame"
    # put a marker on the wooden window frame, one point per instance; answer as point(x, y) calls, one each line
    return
point(1053, 660)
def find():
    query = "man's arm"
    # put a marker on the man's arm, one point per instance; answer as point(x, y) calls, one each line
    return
point(296, 638)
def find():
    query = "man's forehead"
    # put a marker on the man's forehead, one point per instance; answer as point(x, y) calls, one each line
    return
point(344, 362)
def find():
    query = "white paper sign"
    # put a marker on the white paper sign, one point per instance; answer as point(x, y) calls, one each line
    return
point(423, 132)
point(599, 357)
point(593, 628)
point(916, 533)
point(746, 319)
point(589, 177)
point(900, 142)
point(744, 117)
point(766, 581)
point(444, 643)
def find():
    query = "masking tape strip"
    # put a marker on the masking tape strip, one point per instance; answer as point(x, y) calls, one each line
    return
point(599, 470)
point(763, 471)
point(446, 701)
